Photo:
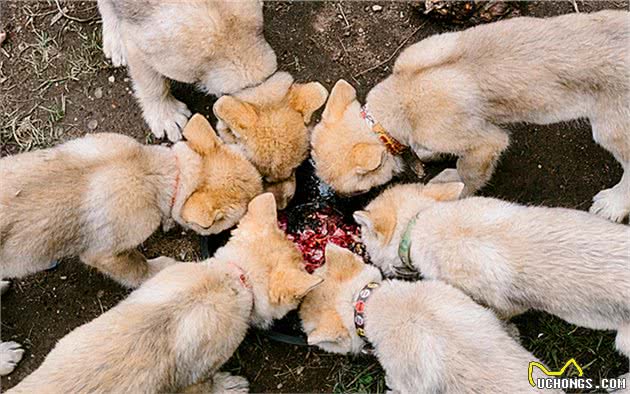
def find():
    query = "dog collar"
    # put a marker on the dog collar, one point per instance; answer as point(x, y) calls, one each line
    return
point(392, 144)
point(404, 252)
point(359, 308)
point(176, 185)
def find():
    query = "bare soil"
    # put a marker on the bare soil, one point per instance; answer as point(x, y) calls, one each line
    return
point(54, 82)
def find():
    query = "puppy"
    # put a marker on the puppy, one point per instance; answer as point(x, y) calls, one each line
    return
point(218, 45)
point(269, 122)
point(449, 94)
point(100, 196)
point(507, 256)
point(428, 336)
point(177, 329)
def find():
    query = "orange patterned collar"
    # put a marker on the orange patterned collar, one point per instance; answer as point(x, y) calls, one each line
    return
point(392, 144)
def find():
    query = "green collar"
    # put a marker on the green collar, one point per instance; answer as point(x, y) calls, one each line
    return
point(404, 250)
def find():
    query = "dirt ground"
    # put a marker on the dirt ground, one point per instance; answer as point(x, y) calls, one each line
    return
point(56, 85)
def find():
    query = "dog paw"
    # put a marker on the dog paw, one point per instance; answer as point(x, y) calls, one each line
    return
point(168, 116)
point(612, 204)
point(224, 382)
point(4, 286)
point(114, 48)
point(10, 354)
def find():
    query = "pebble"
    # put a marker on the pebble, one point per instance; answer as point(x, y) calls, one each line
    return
point(98, 93)
point(377, 8)
point(63, 277)
point(540, 166)
point(111, 79)
point(93, 124)
point(100, 293)
point(279, 386)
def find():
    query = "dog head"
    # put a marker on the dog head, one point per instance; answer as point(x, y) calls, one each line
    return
point(327, 311)
point(241, 56)
point(216, 182)
point(270, 123)
point(385, 219)
point(274, 266)
point(347, 154)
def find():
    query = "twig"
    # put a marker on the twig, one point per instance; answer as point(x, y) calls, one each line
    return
point(575, 6)
point(72, 18)
point(390, 57)
point(343, 14)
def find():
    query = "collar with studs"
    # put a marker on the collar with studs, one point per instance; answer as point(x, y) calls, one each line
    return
point(404, 253)
point(359, 312)
point(392, 144)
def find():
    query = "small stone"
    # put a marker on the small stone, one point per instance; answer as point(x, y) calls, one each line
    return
point(125, 79)
point(377, 8)
point(111, 79)
point(299, 370)
point(98, 93)
point(93, 124)
point(182, 256)
point(63, 277)
point(360, 30)
point(100, 294)
point(279, 386)
point(540, 166)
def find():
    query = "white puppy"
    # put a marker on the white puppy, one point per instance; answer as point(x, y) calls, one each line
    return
point(507, 256)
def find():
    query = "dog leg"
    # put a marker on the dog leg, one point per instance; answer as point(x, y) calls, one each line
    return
point(622, 341)
point(10, 355)
point(162, 112)
point(129, 268)
point(611, 131)
point(113, 45)
point(475, 166)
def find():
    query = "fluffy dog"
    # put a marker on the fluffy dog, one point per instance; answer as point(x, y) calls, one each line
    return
point(177, 329)
point(100, 196)
point(428, 336)
point(449, 94)
point(218, 45)
point(270, 122)
point(507, 256)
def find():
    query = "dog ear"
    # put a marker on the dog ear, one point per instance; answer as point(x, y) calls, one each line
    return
point(287, 286)
point(443, 191)
point(341, 263)
point(382, 225)
point(342, 95)
point(199, 210)
point(237, 114)
point(363, 219)
point(367, 157)
point(263, 209)
point(200, 136)
point(307, 98)
point(329, 331)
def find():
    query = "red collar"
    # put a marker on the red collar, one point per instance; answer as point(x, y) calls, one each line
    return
point(176, 185)
point(241, 276)
point(392, 144)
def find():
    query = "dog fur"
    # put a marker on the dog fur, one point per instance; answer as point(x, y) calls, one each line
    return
point(218, 45)
point(100, 196)
point(428, 336)
point(177, 329)
point(451, 92)
point(269, 122)
point(507, 256)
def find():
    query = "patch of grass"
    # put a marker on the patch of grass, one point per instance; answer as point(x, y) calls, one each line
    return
point(360, 375)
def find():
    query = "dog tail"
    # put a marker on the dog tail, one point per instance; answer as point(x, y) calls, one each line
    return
point(430, 52)
point(622, 342)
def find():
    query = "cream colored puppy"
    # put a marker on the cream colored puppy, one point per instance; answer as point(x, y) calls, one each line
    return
point(270, 123)
point(177, 329)
point(100, 196)
point(428, 336)
point(507, 256)
point(218, 45)
point(451, 92)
